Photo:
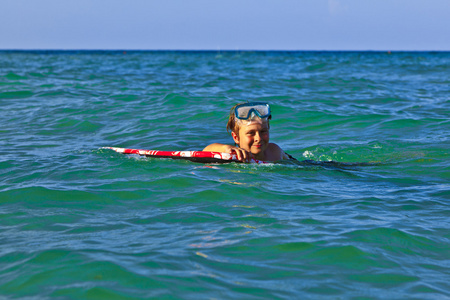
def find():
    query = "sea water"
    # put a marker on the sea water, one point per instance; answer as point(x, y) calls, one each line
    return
point(81, 222)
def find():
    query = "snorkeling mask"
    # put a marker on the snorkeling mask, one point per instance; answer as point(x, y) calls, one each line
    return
point(246, 113)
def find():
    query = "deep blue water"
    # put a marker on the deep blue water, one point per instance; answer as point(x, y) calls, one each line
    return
point(77, 221)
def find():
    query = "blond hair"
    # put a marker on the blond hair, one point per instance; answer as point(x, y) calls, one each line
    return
point(231, 125)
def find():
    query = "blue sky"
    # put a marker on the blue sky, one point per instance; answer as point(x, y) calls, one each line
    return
point(226, 25)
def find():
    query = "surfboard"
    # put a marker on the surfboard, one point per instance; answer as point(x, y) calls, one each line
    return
point(194, 156)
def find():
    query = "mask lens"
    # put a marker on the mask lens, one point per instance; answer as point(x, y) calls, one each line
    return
point(244, 111)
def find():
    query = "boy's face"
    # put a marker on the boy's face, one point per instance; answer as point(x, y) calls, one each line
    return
point(253, 138)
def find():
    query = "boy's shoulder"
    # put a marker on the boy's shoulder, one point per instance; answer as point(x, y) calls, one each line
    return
point(274, 147)
point(274, 152)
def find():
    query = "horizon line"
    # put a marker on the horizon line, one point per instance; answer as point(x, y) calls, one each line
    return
point(207, 50)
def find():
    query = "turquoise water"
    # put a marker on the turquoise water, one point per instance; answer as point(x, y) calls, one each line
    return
point(79, 222)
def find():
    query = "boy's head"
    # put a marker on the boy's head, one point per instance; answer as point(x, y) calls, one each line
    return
point(249, 125)
point(244, 114)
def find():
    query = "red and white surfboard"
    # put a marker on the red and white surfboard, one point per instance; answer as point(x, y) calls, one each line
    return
point(195, 156)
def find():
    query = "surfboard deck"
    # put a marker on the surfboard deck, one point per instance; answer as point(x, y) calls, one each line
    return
point(194, 156)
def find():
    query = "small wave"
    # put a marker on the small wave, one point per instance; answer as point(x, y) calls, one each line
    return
point(16, 95)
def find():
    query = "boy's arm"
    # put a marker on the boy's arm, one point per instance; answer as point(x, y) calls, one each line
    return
point(241, 154)
point(216, 147)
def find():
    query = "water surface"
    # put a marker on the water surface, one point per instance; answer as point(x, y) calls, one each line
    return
point(77, 221)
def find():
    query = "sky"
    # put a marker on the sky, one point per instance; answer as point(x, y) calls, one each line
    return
point(226, 24)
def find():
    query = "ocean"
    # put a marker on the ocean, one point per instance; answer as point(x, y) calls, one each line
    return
point(81, 222)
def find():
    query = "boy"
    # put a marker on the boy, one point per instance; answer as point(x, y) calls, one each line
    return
point(249, 125)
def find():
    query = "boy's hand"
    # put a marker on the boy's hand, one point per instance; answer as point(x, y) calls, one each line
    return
point(242, 155)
